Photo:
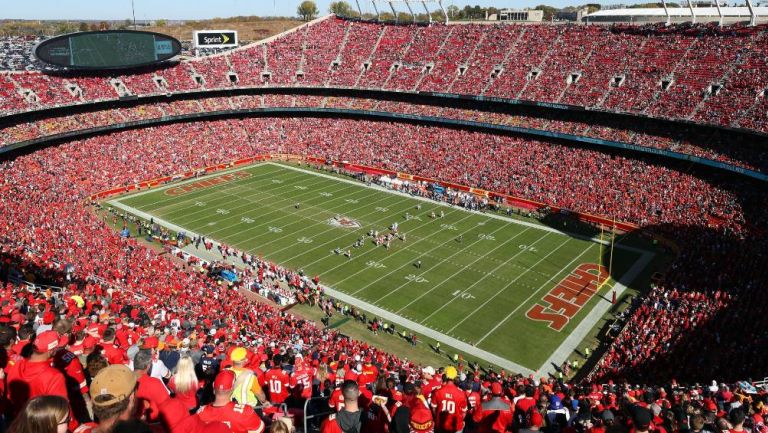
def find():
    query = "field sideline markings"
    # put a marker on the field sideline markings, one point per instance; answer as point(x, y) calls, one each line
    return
point(510, 283)
point(588, 322)
point(525, 301)
point(398, 251)
point(489, 215)
point(224, 200)
point(207, 191)
point(483, 278)
point(479, 240)
point(249, 202)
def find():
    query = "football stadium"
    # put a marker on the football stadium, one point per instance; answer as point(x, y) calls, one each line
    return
point(384, 217)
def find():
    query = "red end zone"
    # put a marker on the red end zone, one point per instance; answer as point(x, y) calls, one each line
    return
point(562, 303)
point(202, 184)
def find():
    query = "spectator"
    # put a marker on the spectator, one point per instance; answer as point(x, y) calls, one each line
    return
point(240, 418)
point(350, 418)
point(33, 377)
point(184, 384)
point(44, 414)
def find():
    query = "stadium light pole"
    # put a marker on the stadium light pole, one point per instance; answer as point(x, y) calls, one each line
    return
point(133, 12)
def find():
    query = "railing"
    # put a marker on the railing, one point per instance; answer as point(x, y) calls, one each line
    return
point(315, 416)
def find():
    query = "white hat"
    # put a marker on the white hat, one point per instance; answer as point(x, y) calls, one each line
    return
point(357, 358)
point(428, 370)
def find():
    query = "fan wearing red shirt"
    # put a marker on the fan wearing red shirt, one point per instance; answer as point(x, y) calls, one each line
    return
point(34, 376)
point(239, 418)
point(369, 374)
point(112, 353)
point(494, 415)
point(151, 391)
point(277, 381)
point(301, 380)
point(449, 404)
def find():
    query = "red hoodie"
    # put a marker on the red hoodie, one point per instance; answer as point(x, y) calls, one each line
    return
point(27, 380)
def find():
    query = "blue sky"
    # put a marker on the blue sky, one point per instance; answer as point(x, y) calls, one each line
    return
point(196, 9)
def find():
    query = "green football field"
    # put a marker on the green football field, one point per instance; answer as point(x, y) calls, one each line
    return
point(480, 273)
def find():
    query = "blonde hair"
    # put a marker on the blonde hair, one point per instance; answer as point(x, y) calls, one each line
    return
point(282, 425)
point(185, 378)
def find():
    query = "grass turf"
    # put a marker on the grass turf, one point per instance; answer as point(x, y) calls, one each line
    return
point(479, 275)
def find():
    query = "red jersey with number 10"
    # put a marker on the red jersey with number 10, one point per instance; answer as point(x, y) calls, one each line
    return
point(277, 382)
point(449, 404)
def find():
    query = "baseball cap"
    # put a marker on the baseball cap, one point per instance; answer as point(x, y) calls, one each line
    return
point(641, 417)
point(224, 381)
point(150, 343)
point(496, 388)
point(209, 349)
point(607, 415)
point(112, 385)
point(450, 372)
point(46, 341)
point(48, 318)
point(239, 354)
point(428, 370)
point(89, 342)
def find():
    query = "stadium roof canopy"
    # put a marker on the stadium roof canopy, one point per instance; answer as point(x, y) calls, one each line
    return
point(690, 12)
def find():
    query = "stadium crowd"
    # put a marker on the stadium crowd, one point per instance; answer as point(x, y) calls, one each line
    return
point(135, 339)
point(680, 72)
point(687, 140)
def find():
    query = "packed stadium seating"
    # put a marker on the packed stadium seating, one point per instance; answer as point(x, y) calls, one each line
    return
point(712, 76)
point(685, 140)
point(704, 319)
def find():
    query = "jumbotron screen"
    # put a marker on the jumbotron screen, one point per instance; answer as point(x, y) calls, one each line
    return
point(111, 49)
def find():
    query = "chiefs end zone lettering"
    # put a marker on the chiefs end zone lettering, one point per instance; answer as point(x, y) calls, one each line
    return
point(202, 184)
point(565, 300)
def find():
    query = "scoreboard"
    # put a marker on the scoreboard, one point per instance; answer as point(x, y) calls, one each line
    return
point(110, 49)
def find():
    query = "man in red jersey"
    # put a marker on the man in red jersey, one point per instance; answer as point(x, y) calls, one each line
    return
point(494, 415)
point(369, 373)
point(240, 418)
point(151, 391)
point(301, 380)
point(276, 381)
point(34, 376)
point(449, 404)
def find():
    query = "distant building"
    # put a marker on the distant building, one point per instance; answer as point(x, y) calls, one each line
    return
point(576, 15)
point(518, 15)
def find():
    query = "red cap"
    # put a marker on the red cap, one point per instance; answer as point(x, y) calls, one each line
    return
point(89, 342)
point(225, 381)
point(150, 343)
point(496, 388)
point(48, 318)
point(46, 341)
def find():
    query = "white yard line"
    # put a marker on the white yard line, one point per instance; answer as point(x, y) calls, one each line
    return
point(489, 214)
point(559, 355)
point(484, 277)
point(461, 269)
point(431, 333)
point(589, 322)
point(509, 285)
point(522, 304)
